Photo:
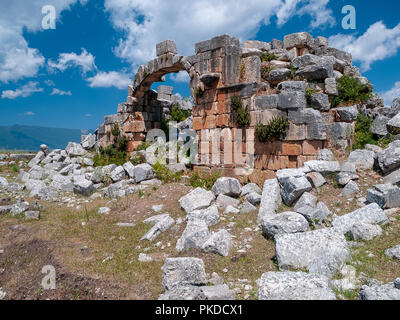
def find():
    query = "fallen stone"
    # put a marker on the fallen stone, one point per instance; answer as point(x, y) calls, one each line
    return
point(286, 222)
point(347, 114)
point(195, 235)
point(118, 174)
point(84, 187)
point(247, 207)
point(387, 196)
point(393, 253)
point(350, 190)
point(271, 199)
point(197, 199)
point(294, 286)
point(145, 258)
point(210, 215)
point(129, 169)
point(389, 159)
point(224, 201)
point(316, 179)
point(364, 231)
point(179, 272)
point(253, 198)
point(104, 210)
point(75, 149)
point(363, 159)
point(325, 155)
point(227, 186)
point(143, 172)
point(32, 215)
point(250, 188)
point(370, 214)
point(324, 248)
point(294, 188)
point(379, 292)
point(219, 242)
point(162, 224)
point(218, 292)
point(323, 167)
point(307, 199)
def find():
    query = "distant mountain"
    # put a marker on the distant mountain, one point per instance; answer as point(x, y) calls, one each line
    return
point(29, 138)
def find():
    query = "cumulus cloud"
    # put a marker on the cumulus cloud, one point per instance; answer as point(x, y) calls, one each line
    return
point(109, 79)
point(17, 59)
point(59, 92)
point(49, 83)
point(29, 113)
point(181, 76)
point(391, 94)
point(25, 91)
point(377, 43)
point(85, 61)
point(145, 23)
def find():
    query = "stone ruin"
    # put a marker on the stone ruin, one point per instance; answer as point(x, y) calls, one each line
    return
point(221, 68)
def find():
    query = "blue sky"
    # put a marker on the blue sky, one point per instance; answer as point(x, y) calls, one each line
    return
point(72, 76)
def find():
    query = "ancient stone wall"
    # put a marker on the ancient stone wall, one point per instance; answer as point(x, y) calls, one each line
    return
point(272, 80)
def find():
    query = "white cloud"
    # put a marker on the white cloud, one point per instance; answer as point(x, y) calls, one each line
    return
point(376, 44)
point(88, 115)
point(85, 61)
point(49, 83)
point(392, 94)
point(145, 23)
point(181, 76)
point(29, 113)
point(17, 59)
point(25, 91)
point(109, 79)
point(60, 92)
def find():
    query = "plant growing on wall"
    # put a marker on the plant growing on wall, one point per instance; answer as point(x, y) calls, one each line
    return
point(242, 114)
point(351, 91)
point(267, 57)
point(275, 129)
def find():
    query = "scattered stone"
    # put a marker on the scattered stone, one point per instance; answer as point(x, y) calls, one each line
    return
point(364, 231)
point(145, 258)
point(227, 186)
point(19, 207)
point(307, 199)
point(271, 199)
point(387, 196)
point(350, 190)
point(231, 210)
point(321, 251)
point(219, 242)
point(143, 172)
point(316, 179)
point(104, 210)
point(294, 188)
point(178, 272)
point(209, 215)
point(194, 236)
point(363, 159)
point(218, 292)
point(294, 286)
point(250, 188)
point(197, 199)
point(379, 292)
point(286, 222)
point(325, 155)
point(247, 207)
point(130, 170)
point(224, 201)
point(370, 214)
point(254, 198)
point(84, 187)
point(32, 215)
point(161, 224)
point(394, 252)
point(323, 167)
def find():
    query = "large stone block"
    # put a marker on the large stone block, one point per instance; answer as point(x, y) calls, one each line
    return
point(291, 100)
point(183, 271)
point(300, 40)
point(167, 46)
point(294, 188)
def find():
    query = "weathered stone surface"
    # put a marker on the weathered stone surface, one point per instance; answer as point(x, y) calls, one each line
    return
point(3, 182)
point(320, 101)
point(389, 159)
point(253, 198)
point(218, 292)
point(271, 198)
point(89, 141)
point(210, 215)
point(74, 149)
point(15, 187)
point(315, 215)
point(194, 236)
point(284, 174)
point(291, 100)
point(364, 231)
point(227, 186)
point(347, 114)
point(83, 187)
point(294, 286)
point(387, 196)
point(250, 188)
point(286, 222)
point(379, 125)
point(162, 224)
point(323, 167)
point(183, 293)
point(143, 172)
point(290, 86)
point(307, 199)
point(316, 71)
point(306, 60)
point(394, 252)
point(325, 155)
point(380, 292)
point(393, 125)
point(104, 210)
point(19, 207)
point(363, 159)
point(338, 131)
point(247, 207)
point(371, 214)
point(294, 188)
point(343, 178)
point(183, 271)
point(300, 39)
point(118, 174)
point(224, 201)
point(219, 242)
point(269, 101)
point(278, 75)
point(325, 248)
point(129, 169)
point(316, 179)
point(167, 46)
point(350, 190)
point(331, 87)
point(32, 215)
point(252, 66)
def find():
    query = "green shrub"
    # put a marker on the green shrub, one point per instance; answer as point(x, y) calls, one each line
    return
point(363, 135)
point(162, 173)
point(115, 153)
point(236, 103)
point(351, 91)
point(143, 146)
point(267, 57)
point(179, 115)
point(274, 130)
point(14, 169)
point(292, 71)
point(309, 93)
point(205, 181)
point(115, 130)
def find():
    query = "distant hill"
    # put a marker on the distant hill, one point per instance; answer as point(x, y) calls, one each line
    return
point(29, 138)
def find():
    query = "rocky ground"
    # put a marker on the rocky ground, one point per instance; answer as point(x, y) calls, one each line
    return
point(328, 230)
